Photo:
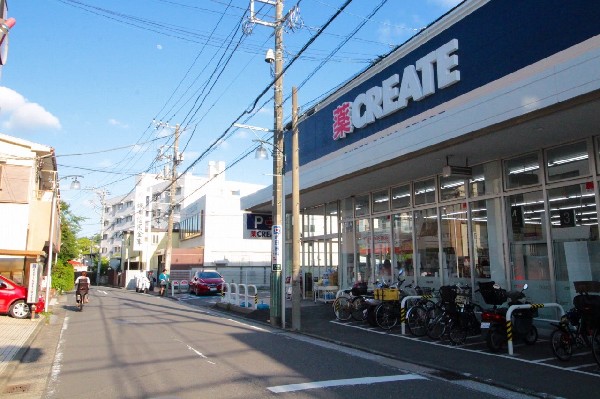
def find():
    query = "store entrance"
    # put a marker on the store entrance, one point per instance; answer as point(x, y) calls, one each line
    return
point(320, 262)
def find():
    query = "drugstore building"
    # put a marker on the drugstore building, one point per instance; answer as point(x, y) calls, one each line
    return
point(469, 153)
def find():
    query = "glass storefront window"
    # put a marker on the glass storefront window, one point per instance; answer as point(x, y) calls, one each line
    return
point(403, 243)
point(528, 247)
point(381, 201)
point(455, 243)
point(332, 219)
point(424, 191)
point(382, 247)
point(575, 245)
point(401, 196)
point(361, 205)
point(313, 221)
point(488, 258)
point(347, 273)
point(451, 188)
point(567, 161)
point(522, 171)
point(427, 262)
point(486, 179)
point(363, 257)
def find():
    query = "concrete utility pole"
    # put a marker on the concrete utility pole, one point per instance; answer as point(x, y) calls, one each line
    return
point(102, 195)
point(296, 223)
point(277, 263)
point(173, 192)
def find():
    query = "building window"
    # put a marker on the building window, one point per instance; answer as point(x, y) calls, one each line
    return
point(567, 161)
point(522, 171)
point(361, 205)
point(191, 226)
point(452, 188)
point(401, 196)
point(424, 191)
point(381, 201)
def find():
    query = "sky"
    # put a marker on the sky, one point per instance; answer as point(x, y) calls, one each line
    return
point(104, 82)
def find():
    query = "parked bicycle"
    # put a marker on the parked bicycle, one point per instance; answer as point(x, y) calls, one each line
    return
point(417, 316)
point(388, 313)
point(464, 321)
point(571, 332)
point(352, 303)
point(588, 307)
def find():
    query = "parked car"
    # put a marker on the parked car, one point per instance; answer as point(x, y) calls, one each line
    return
point(13, 300)
point(207, 282)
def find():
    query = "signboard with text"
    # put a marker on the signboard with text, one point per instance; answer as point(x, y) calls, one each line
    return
point(277, 251)
point(258, 226)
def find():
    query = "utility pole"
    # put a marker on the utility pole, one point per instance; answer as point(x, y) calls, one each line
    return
point(296, 291)
point(102, 195)
point(173, 192)
point(278, 230)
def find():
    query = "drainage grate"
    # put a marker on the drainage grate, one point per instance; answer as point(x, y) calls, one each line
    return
point(20, 388)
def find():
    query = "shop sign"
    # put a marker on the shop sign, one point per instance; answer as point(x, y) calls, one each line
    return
point(277, 256)
point(258, 226)
point(394, 93)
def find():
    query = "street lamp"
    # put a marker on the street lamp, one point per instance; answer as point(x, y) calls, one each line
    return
point(75, 185)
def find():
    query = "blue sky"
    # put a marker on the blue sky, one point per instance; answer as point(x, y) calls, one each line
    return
point(88, 77)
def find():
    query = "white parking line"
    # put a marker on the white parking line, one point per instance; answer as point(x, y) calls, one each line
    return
point(348, 381)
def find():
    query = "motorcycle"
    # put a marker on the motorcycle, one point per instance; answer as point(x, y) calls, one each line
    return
point(493, 321)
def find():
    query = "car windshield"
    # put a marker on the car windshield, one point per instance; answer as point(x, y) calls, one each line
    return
point(209, 275)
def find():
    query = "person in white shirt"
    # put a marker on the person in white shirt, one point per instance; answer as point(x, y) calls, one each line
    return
point(82, 286)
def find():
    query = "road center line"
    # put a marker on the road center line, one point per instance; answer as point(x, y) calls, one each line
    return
point(347, 381)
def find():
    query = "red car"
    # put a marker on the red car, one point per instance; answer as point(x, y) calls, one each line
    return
point(13, 300)
point(207, 282)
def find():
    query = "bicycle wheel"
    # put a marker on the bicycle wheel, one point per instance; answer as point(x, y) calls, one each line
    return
point(416, 320)
point(562, 347)
point(359, 308)
point(386, 316)
point(341, 308)
point(457, 333)
point(437, 327)
point(596, 345)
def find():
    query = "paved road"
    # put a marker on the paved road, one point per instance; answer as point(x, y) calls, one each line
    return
point(127, 345)
point(532, 371)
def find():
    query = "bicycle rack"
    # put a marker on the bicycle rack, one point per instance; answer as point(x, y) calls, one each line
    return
point(509, 313)
point(231, 293)
point(403, 309)
point(246, 297)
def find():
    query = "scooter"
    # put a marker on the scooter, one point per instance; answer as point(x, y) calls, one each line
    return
point(493, 321)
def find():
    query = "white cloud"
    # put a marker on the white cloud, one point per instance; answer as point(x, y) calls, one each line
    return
point(17, 114)
point(159, 47)
point(115, 122)
point(105, 163)
point(446, 3)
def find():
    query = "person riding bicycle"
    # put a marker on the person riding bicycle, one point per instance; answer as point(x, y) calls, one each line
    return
point(82, 285)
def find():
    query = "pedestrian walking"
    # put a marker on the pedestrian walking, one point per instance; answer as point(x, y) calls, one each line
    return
point(163, 279)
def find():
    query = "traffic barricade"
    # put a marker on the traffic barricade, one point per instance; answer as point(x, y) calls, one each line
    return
point(512, 308)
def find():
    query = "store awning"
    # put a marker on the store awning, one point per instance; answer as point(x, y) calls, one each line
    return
point(21, 252)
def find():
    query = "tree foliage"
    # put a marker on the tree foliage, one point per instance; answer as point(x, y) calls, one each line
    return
point(70, 226)
point(63, 276)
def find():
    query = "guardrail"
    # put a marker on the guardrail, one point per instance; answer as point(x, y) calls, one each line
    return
point(509, 313)
point(233, 295)
point(180, 286)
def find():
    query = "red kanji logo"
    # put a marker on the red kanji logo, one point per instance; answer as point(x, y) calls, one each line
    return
point(342, 121)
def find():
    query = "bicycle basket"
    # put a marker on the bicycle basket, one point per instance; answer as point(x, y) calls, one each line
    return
point(448, 293)
point(589, 306)
point(492, 295)
point(359, 289)
point(387, 294)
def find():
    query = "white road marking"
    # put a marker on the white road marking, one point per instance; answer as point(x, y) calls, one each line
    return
point(343, 382)
point(102, 292)
point(56, 366)
point(248, 325)
point(482, 352)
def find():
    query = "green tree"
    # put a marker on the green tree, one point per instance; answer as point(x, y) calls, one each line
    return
point(69, 227)
point(63, 276)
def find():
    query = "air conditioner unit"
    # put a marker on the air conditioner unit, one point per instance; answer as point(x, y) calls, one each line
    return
point(448, 171)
